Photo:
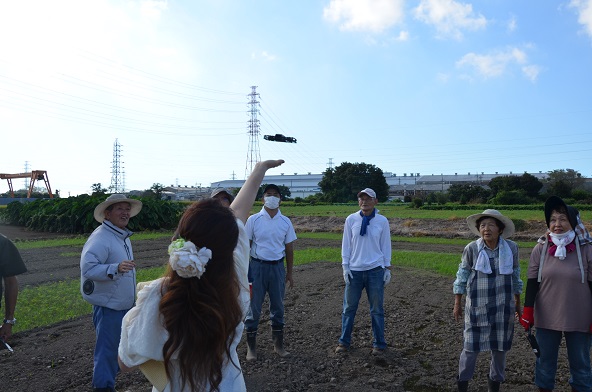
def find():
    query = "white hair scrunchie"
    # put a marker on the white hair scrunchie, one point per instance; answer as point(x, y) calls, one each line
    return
point(187, 260)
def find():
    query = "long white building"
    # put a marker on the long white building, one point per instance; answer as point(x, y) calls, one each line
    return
point(303, 185)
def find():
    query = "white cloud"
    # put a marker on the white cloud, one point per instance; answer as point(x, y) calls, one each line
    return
point(449, 17)
point(498, 63)
point(152, 9)
point(403, 36)
point(531, 72)
point(512, 24)
point(584, 9)
point(443, 77)
point(263, 55)
point(364, 15)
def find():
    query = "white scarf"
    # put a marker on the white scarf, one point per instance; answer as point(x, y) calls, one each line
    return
point(561, 241)
point(506, 259)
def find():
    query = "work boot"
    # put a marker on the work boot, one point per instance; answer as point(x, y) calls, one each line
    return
point(252, 346)
point(493, 386)
point(463, 386)
point(277, 335)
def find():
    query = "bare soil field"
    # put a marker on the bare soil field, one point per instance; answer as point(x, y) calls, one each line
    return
point(424, 340)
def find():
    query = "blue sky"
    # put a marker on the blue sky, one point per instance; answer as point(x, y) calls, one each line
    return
point(419, 86)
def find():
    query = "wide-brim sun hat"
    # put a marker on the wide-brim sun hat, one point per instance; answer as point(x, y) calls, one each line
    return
point(508, 231)
point(115, 198)
point(554, 202)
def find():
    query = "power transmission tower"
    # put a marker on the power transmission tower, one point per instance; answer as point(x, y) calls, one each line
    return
point(117, 174)
point(330, 163)
point(26, 181)
point(253, 155)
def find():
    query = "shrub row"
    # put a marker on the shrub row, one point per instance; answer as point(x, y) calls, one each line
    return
point(462, 207)
point(74, 215)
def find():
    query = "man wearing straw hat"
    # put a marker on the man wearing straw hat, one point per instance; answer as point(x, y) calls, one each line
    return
point(108, 282)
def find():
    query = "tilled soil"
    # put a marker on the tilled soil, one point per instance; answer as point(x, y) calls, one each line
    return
point(424, 340)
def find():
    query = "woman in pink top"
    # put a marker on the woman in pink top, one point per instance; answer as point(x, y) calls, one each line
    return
point(559, 296)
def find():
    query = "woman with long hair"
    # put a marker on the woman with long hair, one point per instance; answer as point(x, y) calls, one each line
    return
point(191, 318)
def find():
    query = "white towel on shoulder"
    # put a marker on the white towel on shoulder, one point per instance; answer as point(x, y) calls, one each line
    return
point(506, 259)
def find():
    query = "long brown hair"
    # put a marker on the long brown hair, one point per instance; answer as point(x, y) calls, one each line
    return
point(201, 314)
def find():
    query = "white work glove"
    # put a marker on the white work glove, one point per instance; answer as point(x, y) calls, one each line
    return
point(387, 276)
point(347, 275)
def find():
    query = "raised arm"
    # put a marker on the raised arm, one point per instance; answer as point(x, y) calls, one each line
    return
point(243, 202)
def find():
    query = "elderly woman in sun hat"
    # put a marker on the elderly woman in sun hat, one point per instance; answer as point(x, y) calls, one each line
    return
point(489, 277)
point(108, 282)
point(558, 298)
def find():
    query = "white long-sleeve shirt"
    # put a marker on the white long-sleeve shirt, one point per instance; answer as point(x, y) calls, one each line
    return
point(362, 253)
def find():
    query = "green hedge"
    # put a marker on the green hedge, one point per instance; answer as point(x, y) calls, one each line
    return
point(74, 215)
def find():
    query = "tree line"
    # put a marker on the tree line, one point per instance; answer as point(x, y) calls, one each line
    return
point(342, 184)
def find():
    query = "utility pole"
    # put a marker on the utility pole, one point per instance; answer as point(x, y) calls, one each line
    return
point(117, 175)
point(253, 155)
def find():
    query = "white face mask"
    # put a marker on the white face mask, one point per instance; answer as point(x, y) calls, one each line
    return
point(271, 202)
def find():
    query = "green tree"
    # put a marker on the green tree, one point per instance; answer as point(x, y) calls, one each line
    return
point(97, 189)
point(157, 188)
point(562, 182)
point(530, 184)
point(342, 184)
point(511, 197)
point(468, 193)
point(527, 183)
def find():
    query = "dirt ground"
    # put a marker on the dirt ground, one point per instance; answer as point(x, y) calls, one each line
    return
point(424, 341)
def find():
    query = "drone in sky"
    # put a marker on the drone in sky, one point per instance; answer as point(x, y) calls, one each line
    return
point(280, 138)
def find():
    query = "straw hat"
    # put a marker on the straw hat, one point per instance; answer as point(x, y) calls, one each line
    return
point(113, 199)
point(509, 230)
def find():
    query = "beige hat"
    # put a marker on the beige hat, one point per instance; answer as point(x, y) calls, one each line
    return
point(222, 190)
point(113, 199)
point(508, 231)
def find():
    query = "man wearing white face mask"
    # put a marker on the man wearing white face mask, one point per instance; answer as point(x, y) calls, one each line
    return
point(272, 236)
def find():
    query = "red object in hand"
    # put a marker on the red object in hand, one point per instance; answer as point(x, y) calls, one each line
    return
point(527, 319)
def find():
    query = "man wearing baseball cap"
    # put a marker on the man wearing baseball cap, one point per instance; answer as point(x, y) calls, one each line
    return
point(108, 282)
point(366, 262)
point(272, 239)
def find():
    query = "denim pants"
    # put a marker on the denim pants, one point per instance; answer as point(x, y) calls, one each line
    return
point(578, 355)
point(270, 279)
point(108, 332)
point(373, 281)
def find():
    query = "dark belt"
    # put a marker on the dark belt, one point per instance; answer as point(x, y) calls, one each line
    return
point(272, 262)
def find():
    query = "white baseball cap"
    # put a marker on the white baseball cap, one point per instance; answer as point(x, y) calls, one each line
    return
point(369, 192)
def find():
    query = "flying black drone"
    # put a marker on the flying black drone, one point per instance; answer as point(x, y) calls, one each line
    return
point(280, 138)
